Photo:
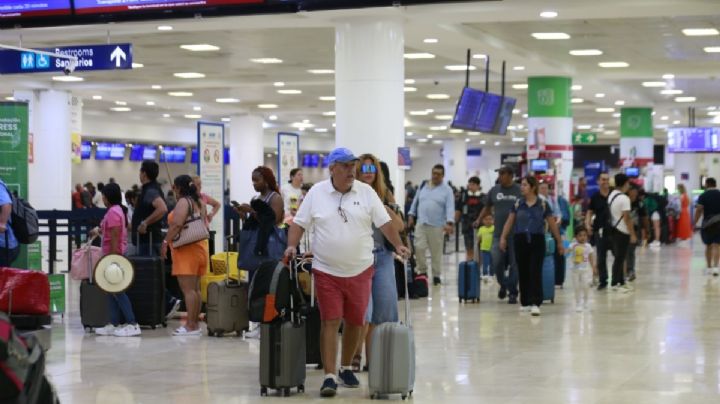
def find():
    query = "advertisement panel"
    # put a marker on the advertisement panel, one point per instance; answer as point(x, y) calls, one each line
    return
point(211, 169)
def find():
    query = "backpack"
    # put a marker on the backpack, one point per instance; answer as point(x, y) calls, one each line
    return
point(23, 220)
point(274, 293)
point(610, 224)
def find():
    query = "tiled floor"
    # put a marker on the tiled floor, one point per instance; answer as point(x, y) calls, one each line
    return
point(660, 344)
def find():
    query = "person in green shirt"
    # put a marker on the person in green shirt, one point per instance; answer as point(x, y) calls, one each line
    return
point(485, 239)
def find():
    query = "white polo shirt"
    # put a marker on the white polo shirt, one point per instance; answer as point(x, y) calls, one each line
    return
point(339, 248)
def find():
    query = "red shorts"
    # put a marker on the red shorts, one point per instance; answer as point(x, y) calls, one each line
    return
point(344, 298)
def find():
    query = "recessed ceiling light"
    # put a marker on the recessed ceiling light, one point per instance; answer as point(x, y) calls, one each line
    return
point(437, 141)
point(267, 106)
point(479, 56)
point(613, 65)
point(519, 68)
point(616, 115)
point(266, 61)
point(120, 109)
point(549, 14)
point(422, 112)
point(321, 71)
point(156, 87)
point(455, 68)
point(409, 89)
point(327, 98)
point(201, 47)
point(438, 97)
point(430, 136)
point(419, 55)
point(685, 99)
point(196, 108)
point(671, 92)
point(301, 125)
point(467, 140)
point(576, 87)
point(604, 109)
point(67, 78)
point(273, 117)
point(165, 28)
point(711, 108)
point(289, 92)
point(122, 103)
point(700, 32)
point(443, 117)
point(227, 100)
point(712, 49)
point(609, 132)
point(714, 113)
point(600, 95)
point(279, 84)
point(150, 103)
point(520, 86)
point(166, 115)
point(668, 76)
point(455, 131)
point(676, 122)
point(408, 134)
point(497, 143)
point(664, 118)
point(409, 81)
point(329, 113)
point(584, 127)
point(515, 111)
point(550, 35)
point(321, 130)
point(619, 102)
point(137, 65)
point(577, 100)
point(654, 84)
point(438, 128)
point(586, 52)
point(97, 97)
point(180, 94)
point(518, 139)
point(483, 141)
point(193, 116)
point(430, 40)
point(422, 140)
point(189, 75)
point(525, 115)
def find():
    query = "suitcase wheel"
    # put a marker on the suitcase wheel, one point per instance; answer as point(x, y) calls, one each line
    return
point(552, 301)
point(404, 397)
point(263, 391)
point(301, 388)
point(164, 325)
point(373, 396)
point(410, 393)
point(286, 392)
point(219, 333)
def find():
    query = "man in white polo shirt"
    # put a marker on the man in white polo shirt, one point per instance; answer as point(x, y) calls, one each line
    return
point(342, 213)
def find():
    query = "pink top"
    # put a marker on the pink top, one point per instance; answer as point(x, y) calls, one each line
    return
point(115, 217)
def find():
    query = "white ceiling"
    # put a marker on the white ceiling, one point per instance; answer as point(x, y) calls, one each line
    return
point(644, 33)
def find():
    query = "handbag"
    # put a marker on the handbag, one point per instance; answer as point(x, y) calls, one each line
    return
point(249, 258)
point(84, 260)
point(24, 291)
point(193, 230)
point(711, 227)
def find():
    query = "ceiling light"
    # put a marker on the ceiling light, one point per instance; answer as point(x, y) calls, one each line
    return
point(430, 40)
point(301, 125)
point(68, 78)
point(189, 75)
point(122, 103)
point(196, 108)
point(519, 68)
point(422, 112)
point(321, 71)
point(443, 117)
point(714, 113)
point(671, 92)
point(266, 61)
point(227, 100)
point(419, 55)
point(180, 94)
point(548, 14)
point(430, 136)
point(700, 32)
point(455, 131)
point(156, 87)
point(225, 119)
point(456, 68)
point(654, 84)
point(576, 87)
point(279, 84)
point(329, 113)
point(525, 115)
point(676, 122)
point(685, 99)
point(616, 115)
point(438, 96)
point(193, 116)
point(577, 100)
point(289, 92)
point(520, 86)
point(483, 141)
point(408, 134)
point(584, 127)
point(479, 56)
point(437, 141)
point(409, 81)
point(668, 76)
point(120, 109)
point(603, 109)
point(201, 47)
point(165, 28)
point(422, 140)
point(600, 95)
point(267, 106)
point(321, 130)
point(712, 49)
point(664, 118)
point(711, 108)
point(137, 65)
point(166, 115)
point(273, 117)
point(619, 102)
point(497, 143)
point(409, 89)
point(438, 128)
point(515, 111)
point(586, 52)
point(150, 103)
point(467, 140)
point(609, 132)
point(613, 65)
point(550, 35)
point(97, 97)
point(327, 98)
point(518, 139)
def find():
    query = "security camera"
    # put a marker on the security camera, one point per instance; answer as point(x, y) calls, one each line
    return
point(70, 67)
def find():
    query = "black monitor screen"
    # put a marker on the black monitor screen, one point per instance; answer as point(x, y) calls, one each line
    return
point(538, 165)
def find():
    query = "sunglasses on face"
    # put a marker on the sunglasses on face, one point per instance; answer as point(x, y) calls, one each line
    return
point(368, 169)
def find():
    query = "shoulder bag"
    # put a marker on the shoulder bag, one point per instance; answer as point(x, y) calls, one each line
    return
point(193, 230)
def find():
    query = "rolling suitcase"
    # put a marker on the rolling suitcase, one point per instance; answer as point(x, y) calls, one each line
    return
point(227, 306)
point(392, 358)
point(94, 308)
point(147, 292)
point(468, 281)
point(548, 270)
point(312, 319)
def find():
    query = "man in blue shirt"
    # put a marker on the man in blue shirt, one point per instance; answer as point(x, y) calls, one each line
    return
point(9, 248)
point(433, 209)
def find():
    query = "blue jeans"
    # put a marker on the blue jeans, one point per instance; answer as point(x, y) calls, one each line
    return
point(383, 304)
point(120, 309)
point(502, 261)
point(487, 268)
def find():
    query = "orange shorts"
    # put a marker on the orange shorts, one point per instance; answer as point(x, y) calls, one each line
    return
point(192, 259)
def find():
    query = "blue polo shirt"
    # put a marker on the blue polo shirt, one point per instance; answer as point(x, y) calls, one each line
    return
point(531, 219)
point(6, 199)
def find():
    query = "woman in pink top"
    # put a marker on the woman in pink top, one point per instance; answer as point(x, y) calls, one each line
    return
point(113, 230)
point(207, 200)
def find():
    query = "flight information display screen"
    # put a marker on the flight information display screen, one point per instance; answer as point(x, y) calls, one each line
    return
point(112, 6)
point(693, 140)
point(33, 8)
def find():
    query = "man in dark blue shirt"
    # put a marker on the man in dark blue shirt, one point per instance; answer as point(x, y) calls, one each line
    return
point(9, 248)
point(708, 207)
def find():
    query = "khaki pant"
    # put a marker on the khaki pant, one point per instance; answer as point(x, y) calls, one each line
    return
point(427, 236)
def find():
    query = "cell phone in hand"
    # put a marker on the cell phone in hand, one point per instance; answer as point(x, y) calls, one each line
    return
point(235, 203)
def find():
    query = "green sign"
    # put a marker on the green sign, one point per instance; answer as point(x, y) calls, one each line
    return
point(34, 256)
point(14, 155)
point(549, 97)
point(584, 138)
point(57, 293)
point(636, 122)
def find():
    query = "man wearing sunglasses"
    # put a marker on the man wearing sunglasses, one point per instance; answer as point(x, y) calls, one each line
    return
point(342, 213)
point(433, 209)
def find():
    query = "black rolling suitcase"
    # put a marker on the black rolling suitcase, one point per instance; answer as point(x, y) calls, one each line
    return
point(312, 316)
point(147, 292)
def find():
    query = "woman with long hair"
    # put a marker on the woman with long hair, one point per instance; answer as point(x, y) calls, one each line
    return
point(684, 225)
point(527, 222)
point(114, 229)
point(383, 299)
point(207, 199)
point(190, 261)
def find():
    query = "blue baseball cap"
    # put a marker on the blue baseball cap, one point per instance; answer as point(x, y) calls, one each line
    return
point(341, 155)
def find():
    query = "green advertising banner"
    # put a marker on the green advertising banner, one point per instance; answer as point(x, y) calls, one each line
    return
point(636, 122)
point(57, 293)
point(14, 154)
point(34, 256)
point(549, 97)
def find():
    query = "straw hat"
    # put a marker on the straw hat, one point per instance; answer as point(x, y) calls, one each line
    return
point(114, 273)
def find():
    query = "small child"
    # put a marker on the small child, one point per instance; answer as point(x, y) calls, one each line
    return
point(581, 259)
point(485, 238)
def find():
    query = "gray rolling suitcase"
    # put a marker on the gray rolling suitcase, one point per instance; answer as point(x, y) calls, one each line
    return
point(227, 306)
point(392, 358)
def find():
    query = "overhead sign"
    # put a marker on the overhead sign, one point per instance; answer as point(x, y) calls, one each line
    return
point(34, 8)
point(89, 58)
point(584, 138)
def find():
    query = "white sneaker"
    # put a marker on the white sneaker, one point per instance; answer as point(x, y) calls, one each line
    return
point(715, 271)
point(625, 289)
point(130, 330)
point(182, 331)
point(524, 309)
point(107, 330)
point(173, 310)
point(252, 334)
point(535, 311)
point(614, 288)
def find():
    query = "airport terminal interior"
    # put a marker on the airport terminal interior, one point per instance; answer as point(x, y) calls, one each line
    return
point(561, 92)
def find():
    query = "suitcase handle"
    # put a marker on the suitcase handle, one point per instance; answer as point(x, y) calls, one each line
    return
point(407, 295)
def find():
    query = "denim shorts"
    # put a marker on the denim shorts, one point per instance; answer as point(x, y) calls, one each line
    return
point(383, 304)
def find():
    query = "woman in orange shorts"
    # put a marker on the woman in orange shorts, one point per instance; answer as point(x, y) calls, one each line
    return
point(189, 261)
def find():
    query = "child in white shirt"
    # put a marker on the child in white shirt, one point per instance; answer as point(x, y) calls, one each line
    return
point(581, 264)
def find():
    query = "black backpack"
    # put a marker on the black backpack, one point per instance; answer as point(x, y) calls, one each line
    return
point(274, 293)
point(23, 220)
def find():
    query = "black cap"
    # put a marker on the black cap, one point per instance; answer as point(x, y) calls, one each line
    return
point(505, 169)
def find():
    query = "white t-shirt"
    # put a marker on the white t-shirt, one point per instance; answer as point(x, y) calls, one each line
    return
point(620, 204)
point(341, 248)
point(291, 197)
point(579, 259)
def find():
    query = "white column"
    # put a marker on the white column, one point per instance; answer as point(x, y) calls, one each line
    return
point(246, 153)
point(688, 163)
point(455, 161)
point(369, 82)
